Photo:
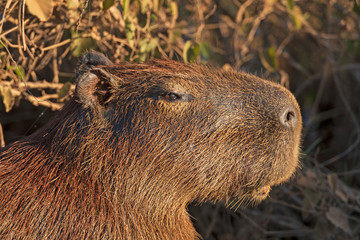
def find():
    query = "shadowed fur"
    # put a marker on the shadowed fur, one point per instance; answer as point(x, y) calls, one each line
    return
point(138, 142)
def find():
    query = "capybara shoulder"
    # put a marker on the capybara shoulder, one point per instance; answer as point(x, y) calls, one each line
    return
point(138, 142)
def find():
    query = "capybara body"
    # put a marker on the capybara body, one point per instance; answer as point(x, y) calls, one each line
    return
point(138, 142)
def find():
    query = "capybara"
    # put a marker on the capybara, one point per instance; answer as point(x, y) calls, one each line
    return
point(138, 142)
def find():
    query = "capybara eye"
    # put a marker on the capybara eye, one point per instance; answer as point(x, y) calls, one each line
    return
point(159, 94)
point(171, 97)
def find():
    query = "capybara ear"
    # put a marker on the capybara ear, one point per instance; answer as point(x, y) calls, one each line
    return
point(90, 60)
point(94, 88)
point(94, 85)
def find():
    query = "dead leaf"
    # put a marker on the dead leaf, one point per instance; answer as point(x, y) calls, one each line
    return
point(311, 199)
point(341, 195)
point(7, 98)
point(42, 9)
point(338, 218)
point(308, 180)
point(332, 181)
point(342, 191)
point(323, 228)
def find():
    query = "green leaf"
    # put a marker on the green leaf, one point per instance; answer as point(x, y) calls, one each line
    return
point(7, 98)
point(153, 44)
point(81, 45)
point(297, 17)
point(272, 57)
point(147, 46)
point(229, 7)
point(19, 71)
point(296, 14)
point(64, 90)
point(175, 33)
point(143, 45)
point(290, 4)
point(125, 7)
point(190, 52)
point(107, 4)
point(144, 5)
point(205, 50)
point(130, 32)
point(73, 12)
point(174, 11)
point(73, 4)
point(141, 58)
point(356, 7)
point(352, 46)
point(153, 17)
point(194, 53)
point(187, 46)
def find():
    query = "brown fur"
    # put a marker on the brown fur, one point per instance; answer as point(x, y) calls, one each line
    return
point(122, 159)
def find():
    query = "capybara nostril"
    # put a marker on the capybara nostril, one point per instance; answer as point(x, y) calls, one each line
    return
point(288, 117)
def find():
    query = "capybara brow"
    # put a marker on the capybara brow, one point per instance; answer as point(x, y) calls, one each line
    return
point(139, 142)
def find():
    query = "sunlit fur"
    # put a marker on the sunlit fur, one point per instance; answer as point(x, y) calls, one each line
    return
point(120, 161)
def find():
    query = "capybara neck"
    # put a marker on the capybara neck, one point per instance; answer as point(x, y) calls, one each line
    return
point(64, 171)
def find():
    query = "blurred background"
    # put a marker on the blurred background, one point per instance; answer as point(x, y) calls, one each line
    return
point(310, 46)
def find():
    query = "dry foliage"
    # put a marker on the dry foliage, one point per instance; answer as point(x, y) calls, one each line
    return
point(313, 47)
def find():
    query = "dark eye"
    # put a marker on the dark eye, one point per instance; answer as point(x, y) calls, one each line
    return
point(171, 96)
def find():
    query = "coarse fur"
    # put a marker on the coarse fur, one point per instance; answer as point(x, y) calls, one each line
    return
point(137, 143)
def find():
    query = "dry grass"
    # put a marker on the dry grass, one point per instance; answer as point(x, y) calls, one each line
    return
point(312, 47)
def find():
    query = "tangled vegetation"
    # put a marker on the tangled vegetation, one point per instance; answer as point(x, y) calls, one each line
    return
point(311, 47)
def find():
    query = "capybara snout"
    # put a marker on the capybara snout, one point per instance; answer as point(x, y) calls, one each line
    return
point(138, 142)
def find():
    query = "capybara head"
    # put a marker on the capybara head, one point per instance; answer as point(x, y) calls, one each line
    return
point(139, 142)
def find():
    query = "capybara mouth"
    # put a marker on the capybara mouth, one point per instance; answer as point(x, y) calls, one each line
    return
point(251, 196)
point(264, 190)
point(261, 193)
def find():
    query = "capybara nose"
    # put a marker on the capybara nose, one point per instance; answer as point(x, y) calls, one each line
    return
point(289, 117)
